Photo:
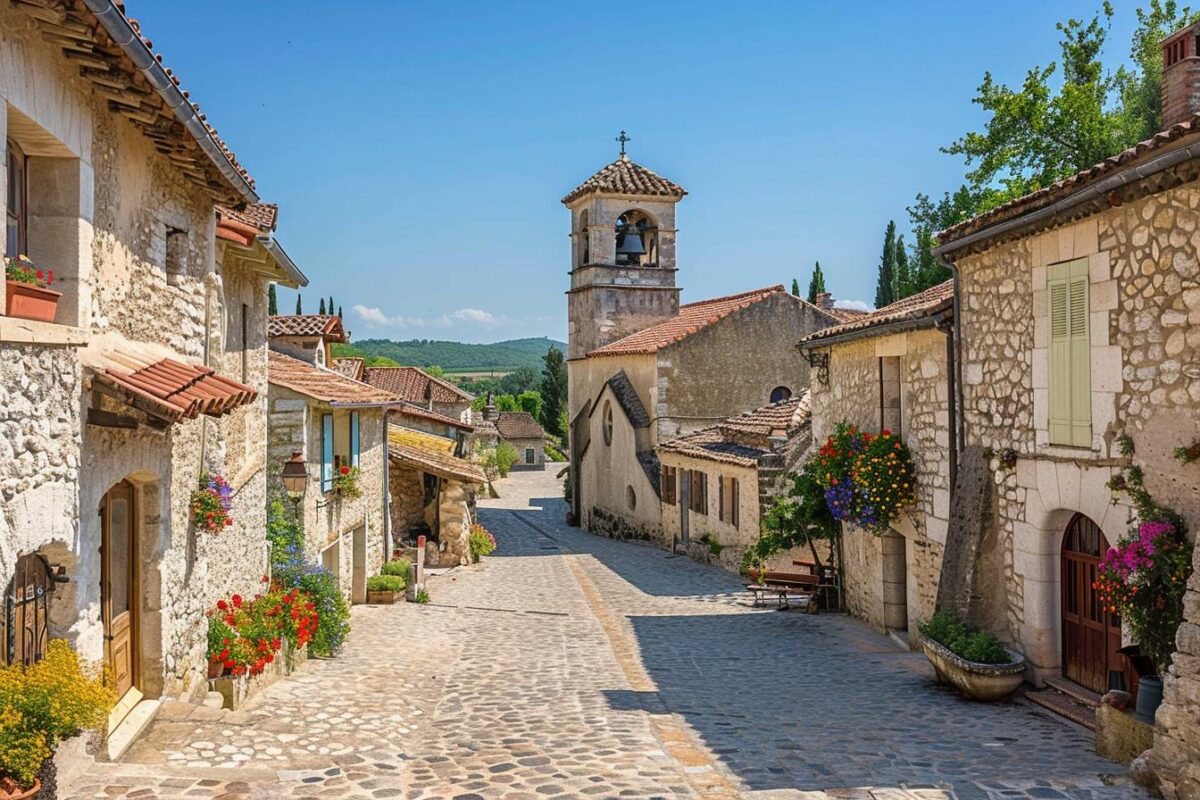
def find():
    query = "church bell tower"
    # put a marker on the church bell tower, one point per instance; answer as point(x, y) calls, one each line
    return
point(622, 254)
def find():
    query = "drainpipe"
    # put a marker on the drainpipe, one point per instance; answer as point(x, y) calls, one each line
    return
point(957, 420)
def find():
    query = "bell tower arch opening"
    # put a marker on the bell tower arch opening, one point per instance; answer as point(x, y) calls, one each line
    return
point(636, 239)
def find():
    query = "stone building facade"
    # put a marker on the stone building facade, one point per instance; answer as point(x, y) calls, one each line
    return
point(420, 388)
point(1129, 257)
point(334, 422)
point(891, 370)
point(152, 372)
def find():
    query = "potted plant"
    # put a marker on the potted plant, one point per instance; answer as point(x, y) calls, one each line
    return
point(972, 660)
point(210, 505)
point(1143, 579)
point(41, 705)
point(29, 295)
point(345, 483)
point(382, 589)
point(482, 542)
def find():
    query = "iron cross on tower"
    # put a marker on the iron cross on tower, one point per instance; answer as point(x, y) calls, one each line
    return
point(623, 139)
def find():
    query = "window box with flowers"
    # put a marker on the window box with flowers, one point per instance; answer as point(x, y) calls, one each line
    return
point(28, 292)
point(346, 482)
point(210, 505)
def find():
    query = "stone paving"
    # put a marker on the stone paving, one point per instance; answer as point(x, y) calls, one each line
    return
point(567, 665)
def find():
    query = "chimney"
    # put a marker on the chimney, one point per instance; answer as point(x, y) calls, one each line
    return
point(824, 300)
point(1181, 76)
point(489, 411)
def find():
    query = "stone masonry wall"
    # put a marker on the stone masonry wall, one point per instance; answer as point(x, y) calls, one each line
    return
point(1176, 755)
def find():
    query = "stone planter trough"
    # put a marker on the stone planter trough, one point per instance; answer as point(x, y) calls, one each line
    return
point(237, 689)
point(984, 682)
point(383, 598)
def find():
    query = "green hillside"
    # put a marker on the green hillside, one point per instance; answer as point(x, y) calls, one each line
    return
point(455, 356)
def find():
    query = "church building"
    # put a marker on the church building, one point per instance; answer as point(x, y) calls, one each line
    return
point(643, 368)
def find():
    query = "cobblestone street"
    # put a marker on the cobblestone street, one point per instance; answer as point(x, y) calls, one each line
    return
point(567, 665)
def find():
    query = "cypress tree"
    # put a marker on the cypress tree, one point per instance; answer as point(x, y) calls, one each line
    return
point(331, 306)
point(885, 288)
point(795, 287)
point(322, 310)
point(905, 280)
point(817, 284)
point(272, 301)
point(339, 312)
point(299, 310)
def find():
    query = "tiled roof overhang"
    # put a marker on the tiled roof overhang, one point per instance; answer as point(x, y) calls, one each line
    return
point(437, 463)
point(925, 309)
point(167, 388)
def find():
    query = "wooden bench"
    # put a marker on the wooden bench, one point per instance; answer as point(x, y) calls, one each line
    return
point(785, 586)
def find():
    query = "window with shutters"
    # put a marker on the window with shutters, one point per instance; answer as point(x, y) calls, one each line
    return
point(1070, 384)
point(669, 476)
point(699, 492)
point(729, 501)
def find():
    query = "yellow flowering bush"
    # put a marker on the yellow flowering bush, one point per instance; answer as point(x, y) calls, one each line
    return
point(44, 703)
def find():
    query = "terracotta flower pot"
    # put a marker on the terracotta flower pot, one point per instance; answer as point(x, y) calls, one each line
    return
point(215, 669)
point(27, 301)
point(9, 790)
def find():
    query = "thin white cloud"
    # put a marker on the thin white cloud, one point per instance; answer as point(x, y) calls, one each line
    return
point(464, 317)
point(853, 305)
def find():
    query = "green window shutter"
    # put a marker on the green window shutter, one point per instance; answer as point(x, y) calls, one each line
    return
point(1070, 409)
point(326, 452)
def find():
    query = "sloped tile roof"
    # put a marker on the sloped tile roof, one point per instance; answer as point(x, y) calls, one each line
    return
point(307, 325)
point(1069, 186)
point(624, 176)
point(844, 314)
point(743, 439)
point(167, 388)
point(692, 318)
point(262, 216)
point(399, 434)
point(323, 384)
point(350, 366)
point(412, 410)
point(437, 463)
point(628, 399)
point(925, 304)
point(415, 384)
point(519, 425)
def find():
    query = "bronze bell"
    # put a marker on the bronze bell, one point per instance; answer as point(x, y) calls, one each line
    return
point(631, 242)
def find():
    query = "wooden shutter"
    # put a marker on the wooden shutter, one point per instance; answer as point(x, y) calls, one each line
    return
point(1070, 355)
point(355, 441)
point(733, 502)
point(721, 498)
point(327, 452)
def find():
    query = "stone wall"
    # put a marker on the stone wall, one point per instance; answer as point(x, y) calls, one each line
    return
point(1176, 754)
point(1144, 303)
point(407, 500)
point(538, 446)
point(733, 541)
point(892, 582)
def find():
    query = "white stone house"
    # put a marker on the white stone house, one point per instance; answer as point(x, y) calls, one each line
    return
point(1079, 317)
point(333, 422)
point(891, 369)
point(153, 368)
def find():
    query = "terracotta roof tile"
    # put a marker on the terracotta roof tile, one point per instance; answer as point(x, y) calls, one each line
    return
point(519, 425)
point(625, 176)
point(692, 318)
point(351, 367)
point(844, 314)
point(415, 384)
point(1068, 186)
point(412, 410)
point(437, 463)
point(925, 304)
point(167, 388)
point(262, 216)
point(743, 439)
point(323, 384)
point(307, 325)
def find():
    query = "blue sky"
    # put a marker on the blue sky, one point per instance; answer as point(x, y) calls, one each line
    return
point(418, 151)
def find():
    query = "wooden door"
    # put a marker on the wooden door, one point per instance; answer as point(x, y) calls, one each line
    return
point(118, 585)
point(1091, 636)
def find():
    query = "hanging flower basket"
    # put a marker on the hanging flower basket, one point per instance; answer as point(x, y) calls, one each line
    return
point(867, 479)
point(346, 482)
point(211, 503)
point(28, 292)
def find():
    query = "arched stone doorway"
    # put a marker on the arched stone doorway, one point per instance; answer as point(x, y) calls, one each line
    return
point(1091, 635)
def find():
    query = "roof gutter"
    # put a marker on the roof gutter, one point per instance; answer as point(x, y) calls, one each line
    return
point(284, 261)
point(1122, 178)
point(118, 27)
point(900, 326)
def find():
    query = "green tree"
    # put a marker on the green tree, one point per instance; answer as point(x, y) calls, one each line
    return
point(322, 310)
point(1071, 114)
point(553, 389)
point(531, 401)
point(817, 284)
point(795, 287)
point(299, 308)
point(435, 371)
point(331, 306)
point(904, 282)
point(272, 301)
point(340, 313)
point(885, 288)
point(926, 218)
point(520, 380)
point(507, 402)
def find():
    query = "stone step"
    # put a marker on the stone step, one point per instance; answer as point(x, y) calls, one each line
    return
point(1080, 694)
point(1064, 705)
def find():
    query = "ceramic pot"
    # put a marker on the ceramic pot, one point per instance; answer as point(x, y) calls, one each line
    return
point(26, 301)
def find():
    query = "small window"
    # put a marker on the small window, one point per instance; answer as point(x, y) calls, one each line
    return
point(529, 457)
point(631, 498)
point(177, 250)
point(669, 492)
point(728, 505)
point(780, 393)
point(608, 422)
point(17, 217)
